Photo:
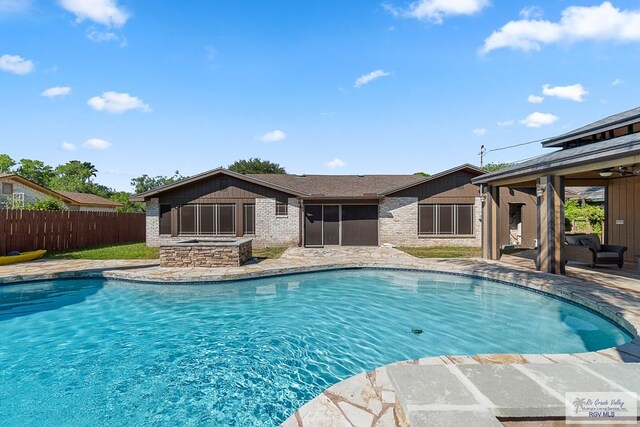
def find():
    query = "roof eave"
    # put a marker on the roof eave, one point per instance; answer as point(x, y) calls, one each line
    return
point(571, 136)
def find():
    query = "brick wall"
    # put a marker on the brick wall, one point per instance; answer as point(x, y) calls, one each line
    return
point(272, 230)
point(153, 223)
point(399, 225)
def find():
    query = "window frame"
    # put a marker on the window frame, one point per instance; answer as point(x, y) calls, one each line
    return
point(10, 185)
point(285, 205)
point(245, 229)
point(215, 218)
point(455, 218)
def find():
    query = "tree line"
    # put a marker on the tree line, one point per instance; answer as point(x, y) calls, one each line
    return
point(80, 177)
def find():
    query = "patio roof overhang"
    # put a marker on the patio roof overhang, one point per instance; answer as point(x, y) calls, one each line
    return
point(579, 163)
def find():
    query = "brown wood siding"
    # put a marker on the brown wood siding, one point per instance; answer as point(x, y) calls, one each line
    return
point(452, 188)
point(63, 230)
point(624, 204)
point(526, 196)
point(217, 189)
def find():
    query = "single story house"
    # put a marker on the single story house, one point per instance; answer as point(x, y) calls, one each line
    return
point(605, 153)
point(20, 192)
point(319, 210)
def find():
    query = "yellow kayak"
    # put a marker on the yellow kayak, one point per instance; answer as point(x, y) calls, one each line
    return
point(24, 256)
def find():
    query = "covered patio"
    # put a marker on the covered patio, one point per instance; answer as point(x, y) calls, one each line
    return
point(605, 153)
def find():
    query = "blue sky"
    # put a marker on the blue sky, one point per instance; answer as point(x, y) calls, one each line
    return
point(347, 87)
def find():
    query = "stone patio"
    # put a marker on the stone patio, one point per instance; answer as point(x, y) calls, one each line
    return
point(446, 390)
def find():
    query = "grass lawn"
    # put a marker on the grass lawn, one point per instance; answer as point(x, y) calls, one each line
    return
point(443, 252)
point(268, 253)
point(126, 251)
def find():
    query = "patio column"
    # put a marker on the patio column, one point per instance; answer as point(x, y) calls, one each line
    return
point(490, 223)
point(551, 227)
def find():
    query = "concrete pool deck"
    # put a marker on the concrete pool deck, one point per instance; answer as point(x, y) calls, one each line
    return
point(445, 390)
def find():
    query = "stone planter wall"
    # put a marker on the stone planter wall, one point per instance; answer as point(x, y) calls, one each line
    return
point(200, 255)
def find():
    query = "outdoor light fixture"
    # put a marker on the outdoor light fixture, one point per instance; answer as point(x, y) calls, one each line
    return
point(606, 174)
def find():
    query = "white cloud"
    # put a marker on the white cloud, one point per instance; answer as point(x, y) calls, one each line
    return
point(114, 102)
point(536, 120)
point(98, 36)
point(572, 93)
point(273, 136)
point(368, 78)
point(535, 99)
point(480, 132)
point(335, 163)
point(15, 64)
point(505, 123)
point(106, 12)
point(67, 146)
point(52, 92)
point(96, 144)
point(436, 10)
point(578, 23)
point(617, 82)
point(14, 6)
point(531, 12)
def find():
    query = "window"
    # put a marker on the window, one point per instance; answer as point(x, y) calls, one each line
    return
point(282, 208)
point(165, 219)
point(213, 219)
point(7, 188)
point(249, 226)
point(445, 219)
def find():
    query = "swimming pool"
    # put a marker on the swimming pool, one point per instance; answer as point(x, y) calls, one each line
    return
point(103, 352)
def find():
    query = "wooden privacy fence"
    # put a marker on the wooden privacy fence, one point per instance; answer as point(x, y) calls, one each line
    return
point(60, 230)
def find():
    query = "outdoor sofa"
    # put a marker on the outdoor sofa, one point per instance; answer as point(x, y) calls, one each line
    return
point(587, 249)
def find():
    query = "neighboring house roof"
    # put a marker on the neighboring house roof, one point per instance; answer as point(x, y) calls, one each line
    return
point(37, 187)
point(86, 199)
point(68, 197)
point(608, 123)
point(592, 194)
point(623, 146)
point(320, 186)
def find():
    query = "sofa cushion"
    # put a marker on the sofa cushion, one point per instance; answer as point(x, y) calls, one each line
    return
point(607, 255)
point(589, 243)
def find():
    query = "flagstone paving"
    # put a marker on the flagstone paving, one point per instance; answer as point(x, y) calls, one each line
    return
point(445, 390)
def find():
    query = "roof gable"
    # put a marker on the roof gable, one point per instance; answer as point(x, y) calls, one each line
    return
point(208, 174)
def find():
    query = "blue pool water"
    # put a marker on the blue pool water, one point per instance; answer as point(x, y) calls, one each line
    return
point(96, 352)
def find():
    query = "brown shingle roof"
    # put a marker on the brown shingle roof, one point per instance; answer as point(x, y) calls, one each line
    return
point(319, 186)
point(340, 185)
point(89, 199)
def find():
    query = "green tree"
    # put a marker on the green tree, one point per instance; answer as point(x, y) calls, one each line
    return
point(35, 171)
point(48, 204)
point(422, 174)
point(6, 163)
point(492, 167)
point(74, 176)
point(255, 166)
point(576, 212)
point(127, 205)
point(145, 182)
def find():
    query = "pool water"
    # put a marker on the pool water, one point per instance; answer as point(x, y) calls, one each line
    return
point(100, 352)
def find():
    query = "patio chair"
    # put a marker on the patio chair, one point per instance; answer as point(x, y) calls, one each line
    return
point(587, 249)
